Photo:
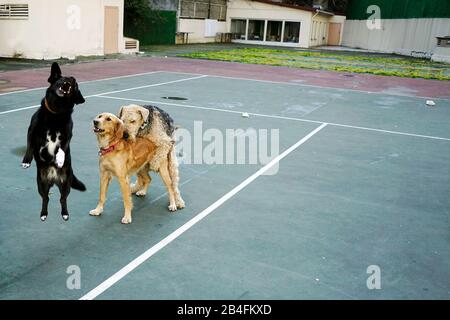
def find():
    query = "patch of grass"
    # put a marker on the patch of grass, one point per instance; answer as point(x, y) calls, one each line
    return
point(361, 63)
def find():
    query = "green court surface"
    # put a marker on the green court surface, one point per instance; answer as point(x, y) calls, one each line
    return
point(363, 179)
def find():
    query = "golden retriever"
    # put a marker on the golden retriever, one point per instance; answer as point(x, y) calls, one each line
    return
point(121, 157)
point(156, 125)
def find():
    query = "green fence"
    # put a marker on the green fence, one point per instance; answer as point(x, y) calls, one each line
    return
point(400, 9)
point(160, 28)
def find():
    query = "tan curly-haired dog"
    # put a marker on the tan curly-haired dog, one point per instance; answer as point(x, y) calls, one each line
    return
point(156, 125)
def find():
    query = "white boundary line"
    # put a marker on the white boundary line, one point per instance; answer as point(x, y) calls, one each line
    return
point(245, 79)
point(20, 109)
point(150, 85)
point(87, 81)
point(280, 117)
point(299, 84)
point(110, 92)
point(164, 242)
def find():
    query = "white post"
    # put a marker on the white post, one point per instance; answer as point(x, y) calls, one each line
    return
point(299, 32)
point(246, 29)
point(282, 31)
point(265, 30)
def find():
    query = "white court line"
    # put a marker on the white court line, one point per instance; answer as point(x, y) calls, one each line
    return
point(20, 109)
point(299, 84)
point(150, 85)
point(87, 81)
point(245, 79)
point(111, 92)
point(164, 242)
point(281, 117)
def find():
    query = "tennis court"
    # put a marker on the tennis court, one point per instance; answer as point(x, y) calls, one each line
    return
point(362, 180)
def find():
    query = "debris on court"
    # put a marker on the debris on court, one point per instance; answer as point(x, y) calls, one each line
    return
point(430, 103)
point(245, 115)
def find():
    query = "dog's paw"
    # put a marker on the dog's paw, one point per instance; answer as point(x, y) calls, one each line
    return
point(172, 207)
point(43, 217)
point(141, 193)
point(26, 165)
point(126, 220)
point(96, 212)
point(134, 187)
point(65, 217)
point(180, 203)
point(60, 158)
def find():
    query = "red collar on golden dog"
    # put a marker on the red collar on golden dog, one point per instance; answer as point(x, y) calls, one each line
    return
point(106, 150)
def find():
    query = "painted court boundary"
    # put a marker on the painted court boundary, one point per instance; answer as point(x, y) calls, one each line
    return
point(164, 242)
point(199, 76)
point(87, 81)
point(278, 117)
point(244, 79)
point(111, 92)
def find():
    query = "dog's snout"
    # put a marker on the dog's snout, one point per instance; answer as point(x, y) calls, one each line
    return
point(96, 122)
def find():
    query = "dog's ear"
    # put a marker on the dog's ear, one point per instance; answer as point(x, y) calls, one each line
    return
point(78, 97)
point(55, 73)
point(120, 112)
point(119, 132)
point(144, 113)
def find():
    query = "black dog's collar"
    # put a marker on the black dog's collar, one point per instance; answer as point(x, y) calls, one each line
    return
point(48, 107)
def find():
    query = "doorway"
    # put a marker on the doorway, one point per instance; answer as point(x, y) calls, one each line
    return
point(111, 30)
point(334, 34)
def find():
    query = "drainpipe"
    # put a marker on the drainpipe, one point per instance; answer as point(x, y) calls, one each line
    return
point(317, 12)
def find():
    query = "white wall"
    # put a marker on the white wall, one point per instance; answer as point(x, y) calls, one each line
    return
point(241, 9)
point(441, 54)
point(48, 33)
point(403, 36)
point(196, 29)
point(319, 31)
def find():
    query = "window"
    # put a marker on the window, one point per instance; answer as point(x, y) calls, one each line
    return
point(238, 29)
point(13, 11)
point(291, 32)
point(274, 31)
point(256, 30)
point(204, 9)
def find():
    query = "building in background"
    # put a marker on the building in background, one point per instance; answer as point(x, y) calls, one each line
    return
point(48, 29)
point(276, 23)
point(407, 27)
point(262, 22)
point(200, 21)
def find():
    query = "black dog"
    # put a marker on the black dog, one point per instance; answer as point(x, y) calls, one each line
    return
point(49, 137)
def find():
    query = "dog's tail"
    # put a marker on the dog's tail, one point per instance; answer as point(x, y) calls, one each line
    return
point(77, 184)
